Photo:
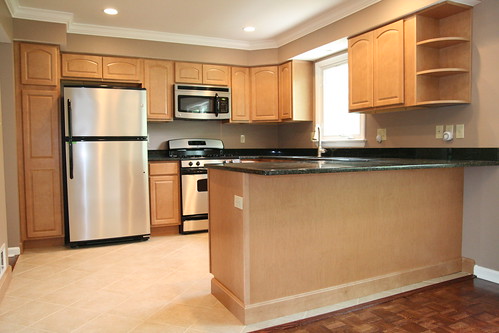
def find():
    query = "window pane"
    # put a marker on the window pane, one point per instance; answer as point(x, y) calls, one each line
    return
point(337, 120)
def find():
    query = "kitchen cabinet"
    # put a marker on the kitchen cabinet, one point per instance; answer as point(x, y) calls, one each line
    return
point(443, 55)
point(376, 67)
point(39, 151)
point(42, 186)
point(164, 193)
point(122, 69)
point(81, 66)
point(422, 60)
point(39, 64)
point(388, 64)
point(196, 73)
point(158, 81)
point(264, 93)
point(296, 91)
point(240, 94)
point(102, 68)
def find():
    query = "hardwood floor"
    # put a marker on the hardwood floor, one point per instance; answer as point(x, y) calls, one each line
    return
point(464, 305)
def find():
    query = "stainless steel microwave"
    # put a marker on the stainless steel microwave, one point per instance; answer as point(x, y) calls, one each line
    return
point(202, 102)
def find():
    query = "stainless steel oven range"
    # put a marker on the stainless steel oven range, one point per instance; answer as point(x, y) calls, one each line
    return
point(194, 154)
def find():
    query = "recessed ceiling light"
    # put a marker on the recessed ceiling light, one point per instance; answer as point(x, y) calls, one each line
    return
point(110, 11)
point(249, 29)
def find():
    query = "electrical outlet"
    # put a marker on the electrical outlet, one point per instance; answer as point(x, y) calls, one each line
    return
point(449, 128)
point(460, 131)
point(243, 138)
point(238, 202)
point(439, 131)
point(382, 133)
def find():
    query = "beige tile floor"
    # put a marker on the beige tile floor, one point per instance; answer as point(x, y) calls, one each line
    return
point(162, 285)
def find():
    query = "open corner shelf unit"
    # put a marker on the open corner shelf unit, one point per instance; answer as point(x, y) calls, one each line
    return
point(443, 55)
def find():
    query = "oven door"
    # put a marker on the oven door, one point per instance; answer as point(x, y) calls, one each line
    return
point(194, 194)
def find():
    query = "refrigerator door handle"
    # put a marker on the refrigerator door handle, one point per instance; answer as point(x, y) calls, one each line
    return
point(70, 140)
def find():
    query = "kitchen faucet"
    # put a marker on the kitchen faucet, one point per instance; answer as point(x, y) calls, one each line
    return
point(320, 150)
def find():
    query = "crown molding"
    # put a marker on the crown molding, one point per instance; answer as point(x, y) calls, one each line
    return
point(18, 11)
point(323, 20)
point(97, 30)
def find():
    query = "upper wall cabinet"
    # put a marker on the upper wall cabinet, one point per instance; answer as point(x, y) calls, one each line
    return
point(101, 68)
point(122, 69)
point(264, 93)
point(39, 64)
point(376, 67)
point(423, 60)
point(296, 91)
point(188, 72)
point(81, 66)
point(158, 81)
point(240, 94)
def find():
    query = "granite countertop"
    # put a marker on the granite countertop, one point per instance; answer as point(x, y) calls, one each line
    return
point(308, 165)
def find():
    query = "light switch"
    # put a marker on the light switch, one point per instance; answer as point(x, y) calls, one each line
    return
point(460, 131)
point(238, 202)
point(243, 138)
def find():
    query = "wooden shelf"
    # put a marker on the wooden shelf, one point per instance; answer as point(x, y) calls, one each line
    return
point(444, 9)
point(442, 71)
point(442, 42)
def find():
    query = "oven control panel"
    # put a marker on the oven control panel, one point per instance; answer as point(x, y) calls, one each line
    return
point(200, 163)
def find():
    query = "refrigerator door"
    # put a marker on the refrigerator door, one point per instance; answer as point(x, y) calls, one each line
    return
point(108, 196)
point(105, 111)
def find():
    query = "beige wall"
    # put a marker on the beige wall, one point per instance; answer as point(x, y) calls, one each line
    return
point(3, 214)
point(256, 136)
point(9, 143)
point(6, 27)
point(481, 216)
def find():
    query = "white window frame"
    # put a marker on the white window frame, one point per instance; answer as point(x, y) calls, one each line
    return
point(333, 141)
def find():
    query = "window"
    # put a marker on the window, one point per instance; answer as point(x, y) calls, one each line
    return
point(339, 128)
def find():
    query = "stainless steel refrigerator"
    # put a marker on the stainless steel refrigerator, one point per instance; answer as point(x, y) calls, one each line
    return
point(106, 177)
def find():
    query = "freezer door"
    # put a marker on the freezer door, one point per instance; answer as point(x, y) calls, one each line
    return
point(105, 111)
point(108, 196)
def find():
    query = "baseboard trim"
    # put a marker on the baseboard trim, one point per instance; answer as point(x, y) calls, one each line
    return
point(271, 309)
point(487, 274)
point(14, 251)
point(4, 282)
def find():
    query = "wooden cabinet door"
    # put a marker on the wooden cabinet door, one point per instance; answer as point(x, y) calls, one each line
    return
point(158, 81)
point(39, 64)
point(165, 202)
point(81, 66)
point(217, 75)
point(40, 118)
point(264, 93)
point(388, 64)
point(360, 71)
point(188, 72)
point(122, 69)
point(240, 94)
point(285, 91)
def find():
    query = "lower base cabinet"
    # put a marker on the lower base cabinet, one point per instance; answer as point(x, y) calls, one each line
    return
point(164, 193)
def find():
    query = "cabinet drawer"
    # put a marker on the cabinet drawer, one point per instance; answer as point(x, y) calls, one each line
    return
point(163, 168)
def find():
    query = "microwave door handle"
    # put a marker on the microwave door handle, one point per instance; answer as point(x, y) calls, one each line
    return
point(217, 105)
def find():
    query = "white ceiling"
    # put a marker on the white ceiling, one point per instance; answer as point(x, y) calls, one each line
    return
point(201, 22)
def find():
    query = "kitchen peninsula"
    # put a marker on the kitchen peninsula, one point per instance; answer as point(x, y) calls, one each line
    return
point(290, 236)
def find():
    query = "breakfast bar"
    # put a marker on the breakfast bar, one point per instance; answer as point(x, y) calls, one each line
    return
point(292, 235)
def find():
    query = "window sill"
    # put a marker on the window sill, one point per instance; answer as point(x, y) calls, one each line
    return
point(344, 144)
